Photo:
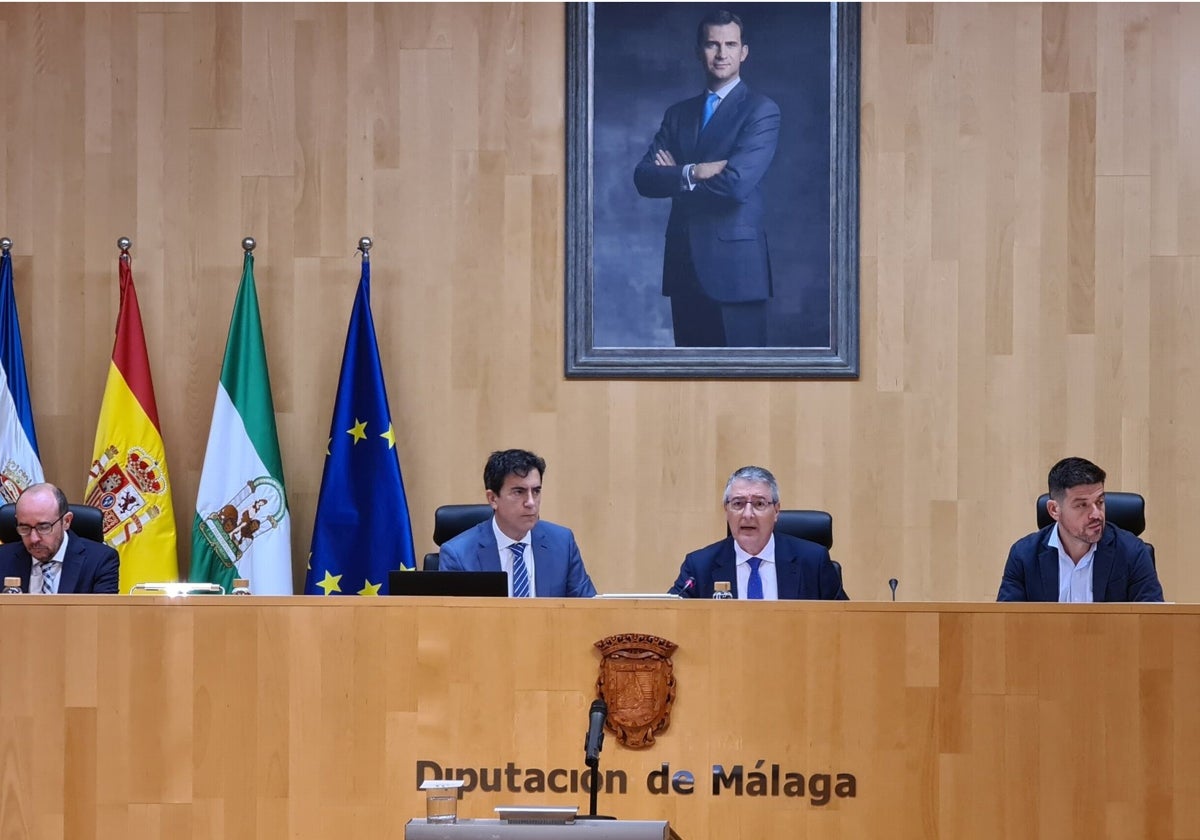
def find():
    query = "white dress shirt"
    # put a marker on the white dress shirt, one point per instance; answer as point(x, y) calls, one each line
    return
point(503, 541)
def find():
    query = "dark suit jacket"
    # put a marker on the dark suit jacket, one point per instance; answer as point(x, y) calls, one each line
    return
point(721, 221)
point(557, 567)
point(88, 567)
point(803, 570)
point(1121, 569)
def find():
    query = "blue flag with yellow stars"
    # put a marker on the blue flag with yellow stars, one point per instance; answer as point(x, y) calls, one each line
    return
point(362, 529)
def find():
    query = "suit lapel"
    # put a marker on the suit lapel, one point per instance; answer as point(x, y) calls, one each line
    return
point(489, 552)
point(1102, 566)
point(787, 570)
point(1048, 568)
point(723, 119)
point(725, 567)
point(68, 578)
point(689, 131)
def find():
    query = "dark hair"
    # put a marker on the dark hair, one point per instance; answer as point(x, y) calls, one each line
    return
point(719, 17)
point(1072, 472)
point(752, 473)
point(510, 462)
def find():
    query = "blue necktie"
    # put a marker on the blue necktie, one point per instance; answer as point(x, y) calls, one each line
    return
point(710, 105)
point(754, 585)
point(520, 574)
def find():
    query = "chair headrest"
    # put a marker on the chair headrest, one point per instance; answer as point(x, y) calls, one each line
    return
point(1125, 510)
point(451, 520)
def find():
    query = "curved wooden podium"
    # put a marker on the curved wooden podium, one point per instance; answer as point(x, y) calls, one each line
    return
point(305, 717)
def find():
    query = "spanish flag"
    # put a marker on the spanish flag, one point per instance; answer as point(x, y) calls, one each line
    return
point(128, 479)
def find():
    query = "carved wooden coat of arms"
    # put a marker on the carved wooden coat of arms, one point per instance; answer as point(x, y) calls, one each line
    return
point(637, 682)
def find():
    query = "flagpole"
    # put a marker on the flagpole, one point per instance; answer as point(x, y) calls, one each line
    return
point(364, 246)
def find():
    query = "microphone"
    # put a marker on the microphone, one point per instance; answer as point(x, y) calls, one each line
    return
point(595, 733)
point(688, 590)
point(893, 583)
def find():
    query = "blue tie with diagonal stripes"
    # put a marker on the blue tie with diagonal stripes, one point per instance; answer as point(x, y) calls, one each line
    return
point(50, 570)
point(520, 575)
point(754, 585)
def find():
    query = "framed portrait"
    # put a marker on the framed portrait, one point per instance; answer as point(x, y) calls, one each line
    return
point(741, 262)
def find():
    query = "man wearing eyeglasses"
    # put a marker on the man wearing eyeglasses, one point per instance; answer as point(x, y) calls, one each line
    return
point(758, 563)
point(48, 559)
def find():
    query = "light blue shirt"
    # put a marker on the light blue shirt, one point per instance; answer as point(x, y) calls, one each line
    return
point(1074, 579)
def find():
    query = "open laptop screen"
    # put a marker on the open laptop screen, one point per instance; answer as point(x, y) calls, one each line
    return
point(471, 584)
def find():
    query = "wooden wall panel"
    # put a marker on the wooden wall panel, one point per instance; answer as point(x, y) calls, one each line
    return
point(1028, 246)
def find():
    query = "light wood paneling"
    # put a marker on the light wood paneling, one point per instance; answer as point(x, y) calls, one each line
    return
point(302, 718)
point(1030, 192)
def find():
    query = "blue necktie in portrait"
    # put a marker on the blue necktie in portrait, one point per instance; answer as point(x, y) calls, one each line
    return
point(754, 585)
point(520, 575)
point(710, 105)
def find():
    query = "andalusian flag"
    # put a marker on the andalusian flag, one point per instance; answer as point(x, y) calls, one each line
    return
point(129, 479)
point(242, 527)
point(362, 529)
point(20, 465)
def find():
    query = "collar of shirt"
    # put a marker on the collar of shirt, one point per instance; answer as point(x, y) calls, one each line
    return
point(724, 89)
point(767, 555)
point(1074, 579)
point(503, 541)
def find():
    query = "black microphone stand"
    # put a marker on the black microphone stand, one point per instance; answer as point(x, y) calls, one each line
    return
point(594, 777)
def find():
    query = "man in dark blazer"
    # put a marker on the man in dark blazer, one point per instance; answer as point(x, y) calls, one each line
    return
point(48, 559)
point(709, 157)
point(541, 558)
point(1080, 557)
point(758, 563)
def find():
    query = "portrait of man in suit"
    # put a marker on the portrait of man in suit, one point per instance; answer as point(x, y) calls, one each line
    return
point(759, 232)
point(710, 157)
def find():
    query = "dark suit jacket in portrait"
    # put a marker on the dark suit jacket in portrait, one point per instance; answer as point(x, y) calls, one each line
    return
point(558, 570)
point(88, 567)
point(803, 570)
point(721, 221)
point(1121, 569)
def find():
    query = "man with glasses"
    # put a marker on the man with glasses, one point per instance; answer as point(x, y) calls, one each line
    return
point(48, 559)
point(541, 558)
point(758, 563)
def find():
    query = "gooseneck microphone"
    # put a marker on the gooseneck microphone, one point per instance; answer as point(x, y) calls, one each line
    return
point(893, 583)
point(688, 590)
point(595, 733)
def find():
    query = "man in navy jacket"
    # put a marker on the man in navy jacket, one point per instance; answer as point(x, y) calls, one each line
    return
point(1079, 558)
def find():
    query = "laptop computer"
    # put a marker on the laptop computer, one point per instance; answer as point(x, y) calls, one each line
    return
point(469, 584)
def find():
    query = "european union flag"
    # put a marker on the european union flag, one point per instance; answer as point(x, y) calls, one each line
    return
point(362, 530)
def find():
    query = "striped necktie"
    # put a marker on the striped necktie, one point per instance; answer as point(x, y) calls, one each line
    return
point(754, 585)
point(520, 574)
point(50, 570)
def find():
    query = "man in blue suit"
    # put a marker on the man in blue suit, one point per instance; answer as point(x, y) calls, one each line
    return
point(1080, 557)
point(541, 558)
point(48, 559)
point(758, 563)
point(709, 157)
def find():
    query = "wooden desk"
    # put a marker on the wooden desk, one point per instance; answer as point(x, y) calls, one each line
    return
point(302, 717)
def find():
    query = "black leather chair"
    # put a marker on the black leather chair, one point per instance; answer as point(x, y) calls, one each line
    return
point(448, 522)
point(87, 522)
point(1125, 510)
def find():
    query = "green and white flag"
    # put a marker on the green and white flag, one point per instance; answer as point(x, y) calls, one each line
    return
point(243, 528)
